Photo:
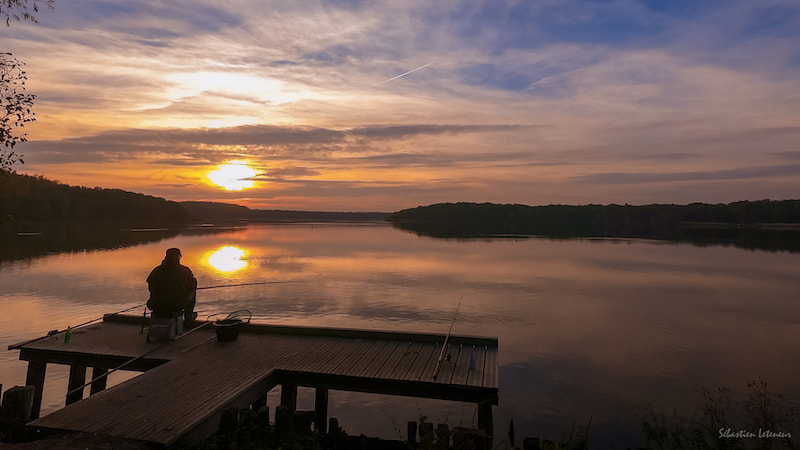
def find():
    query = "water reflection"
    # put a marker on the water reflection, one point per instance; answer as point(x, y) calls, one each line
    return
point(588, 328)
point(228, 259)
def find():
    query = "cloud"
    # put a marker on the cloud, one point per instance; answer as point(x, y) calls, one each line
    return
point(792, 170)
point(524, 99)
point(404, 131)
point(207, 145)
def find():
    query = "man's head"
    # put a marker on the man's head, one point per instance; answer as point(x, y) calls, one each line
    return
point(173, 254)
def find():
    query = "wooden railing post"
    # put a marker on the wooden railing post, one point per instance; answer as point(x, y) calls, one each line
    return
point(289, 397)
point(485, 420)
point(321, 410)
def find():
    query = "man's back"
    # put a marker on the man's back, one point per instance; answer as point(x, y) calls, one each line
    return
point(172, 287)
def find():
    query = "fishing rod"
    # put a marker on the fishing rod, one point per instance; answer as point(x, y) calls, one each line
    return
point(52, 333)
point(248, 284)
point(446, 339)
point(126, 363)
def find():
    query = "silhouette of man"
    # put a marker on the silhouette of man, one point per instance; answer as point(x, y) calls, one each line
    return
point(172, 288)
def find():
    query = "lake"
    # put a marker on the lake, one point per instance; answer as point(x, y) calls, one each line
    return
point(589, 329)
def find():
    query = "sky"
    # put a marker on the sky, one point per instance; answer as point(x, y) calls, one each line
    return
point(381, 105)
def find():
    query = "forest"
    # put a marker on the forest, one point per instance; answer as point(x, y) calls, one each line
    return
point(764, 224)
point(33, 201)
point(216, 212)
point(26, 200)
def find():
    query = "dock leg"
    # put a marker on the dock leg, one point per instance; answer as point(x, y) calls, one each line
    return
point(99, 384)
point(289, 397)
point(35, 378)
point(77, 377)
point(485, 421)
point(321, 410)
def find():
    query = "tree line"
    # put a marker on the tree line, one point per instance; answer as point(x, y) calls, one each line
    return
point(225, 212)
point(26, 199)
point(766, 224)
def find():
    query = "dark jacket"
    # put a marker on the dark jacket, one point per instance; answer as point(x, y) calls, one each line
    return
point(172, 287)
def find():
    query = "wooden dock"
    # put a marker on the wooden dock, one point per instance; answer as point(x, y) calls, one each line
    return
point(188, 382)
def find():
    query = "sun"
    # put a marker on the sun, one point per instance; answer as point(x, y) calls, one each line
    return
point(233, 176)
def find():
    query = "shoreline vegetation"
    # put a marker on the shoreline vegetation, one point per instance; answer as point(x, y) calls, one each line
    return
point(765, 224)
point(758, 418)
point(32, 206)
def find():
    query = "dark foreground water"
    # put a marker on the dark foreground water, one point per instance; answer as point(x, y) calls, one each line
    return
point(596, 330)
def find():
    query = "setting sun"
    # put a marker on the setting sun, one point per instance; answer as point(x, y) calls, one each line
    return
point(233, 176)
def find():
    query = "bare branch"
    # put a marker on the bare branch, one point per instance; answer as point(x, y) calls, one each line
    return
point(16, 10)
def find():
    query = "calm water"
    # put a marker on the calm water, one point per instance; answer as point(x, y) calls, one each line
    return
point(594, 329)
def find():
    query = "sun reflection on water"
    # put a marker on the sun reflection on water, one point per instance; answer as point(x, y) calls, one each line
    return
point(228, 259)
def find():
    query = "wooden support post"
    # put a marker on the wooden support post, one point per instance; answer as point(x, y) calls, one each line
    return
point(229, 417)
point(263, 414)
point(262, 410)
point(283, 419)
point(412, 434)
point(289, 397)
point(18, 403)
point(259, 403)
point(443, 436)
point(321, 410)
point(485, 421)
point(77, 377)
point(35, 378)
point(426, 436)
point(100, 383)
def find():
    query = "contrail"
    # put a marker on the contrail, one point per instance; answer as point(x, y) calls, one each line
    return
point(402, 74)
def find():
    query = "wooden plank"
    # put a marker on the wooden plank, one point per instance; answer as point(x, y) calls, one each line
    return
point(448, 364)
point(475, 377)
point(406, 361)
point(198, 377)
point(174, 387)
point(381, 360)
point(490, 375)
point(329, 350)
point(321, 351)
point(256, 376)
point(422, 369)
point(335, 332)
point(393, 360)
point(375, 350)
point(153, 395)
point(179, 406)
point(351, 356)
point(462, 369)
point(350, 347)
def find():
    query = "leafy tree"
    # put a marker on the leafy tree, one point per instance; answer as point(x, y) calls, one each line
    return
point(15, 104)
point(15, 108)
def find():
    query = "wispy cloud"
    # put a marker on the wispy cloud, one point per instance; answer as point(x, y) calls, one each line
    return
point(790, 170)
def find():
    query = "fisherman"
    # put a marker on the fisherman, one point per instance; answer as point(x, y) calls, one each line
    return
point(172, 289)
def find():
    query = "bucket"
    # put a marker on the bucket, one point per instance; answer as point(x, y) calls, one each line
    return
point(228, 329)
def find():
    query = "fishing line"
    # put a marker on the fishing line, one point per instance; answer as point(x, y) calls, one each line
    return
point(249, 284)
point(53, 333)
point(79, 388)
